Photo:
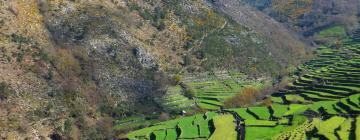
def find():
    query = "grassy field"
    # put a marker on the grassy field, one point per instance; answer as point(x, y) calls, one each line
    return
point(174, 100)
point(333, 32)
point(345, 128)
point(193, 127)
point(327, 128)
point(357, 129)
point(224, 128)
point(213, 126)
point(263, 133)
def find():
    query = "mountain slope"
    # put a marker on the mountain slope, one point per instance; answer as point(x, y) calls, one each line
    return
point(69, 68)
point(284, 45)
point(308, 17)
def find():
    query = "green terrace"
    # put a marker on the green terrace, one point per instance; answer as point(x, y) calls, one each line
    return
point(211, 95)
point(199, 126)
point(332, 76)
point(276, 121)
point(175, 100)
point(208, 94)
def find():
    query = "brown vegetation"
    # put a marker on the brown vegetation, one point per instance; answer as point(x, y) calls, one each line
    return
point(244, 98)
point(164, 116)
point(249, 96)
point(337, 45)
point(66, 63)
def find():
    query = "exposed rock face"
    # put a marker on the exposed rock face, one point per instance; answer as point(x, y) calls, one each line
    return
point(145, 58)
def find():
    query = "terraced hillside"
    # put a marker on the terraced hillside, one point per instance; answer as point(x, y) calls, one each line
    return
point(208, 92)
point(333, 75)
point(200, 126)
point(278, 121)
point(322, 103)
point(211, 95)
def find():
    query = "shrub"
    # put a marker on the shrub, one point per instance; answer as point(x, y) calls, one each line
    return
point(244, 98)
point(105, 127)
point(145, 14)
point(20, 56)
point(337, 44)
point(177, 79)
point(164, 116)
point(189, 92)
point(43, 55)
point(66, 64)
point(68, 125)
point(158, 19)
point(50, 75)
point(267, 102)
point(20, 39)
point(5, 91)
point(283, 84)
point(187, 60)
point(71, 130)
point(159, 13)
point(160, 25)
point(133, 6)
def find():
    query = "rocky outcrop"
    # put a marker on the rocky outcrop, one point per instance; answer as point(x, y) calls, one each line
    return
point(145, 58)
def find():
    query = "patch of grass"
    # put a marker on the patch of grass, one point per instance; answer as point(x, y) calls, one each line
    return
point(171, 134)
point(174, 100)
point(283, 121)
point(279, 110)
point(224, 126)
point(144, 133)
point(210, 115)
point(327, 128)
point(355, 99)
point(296, 109)
point(243, 114)
point(357, 129)
point(294, 98)
point(345, 129)
point(297, 131)
point(160, 135)
point(298, 120)
point(208, 106)
point(336, 31)
point(188, 129)
point(262, 112)
point(327, 105)
point(260, 123)
point(262, 133)
point(276, 100)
